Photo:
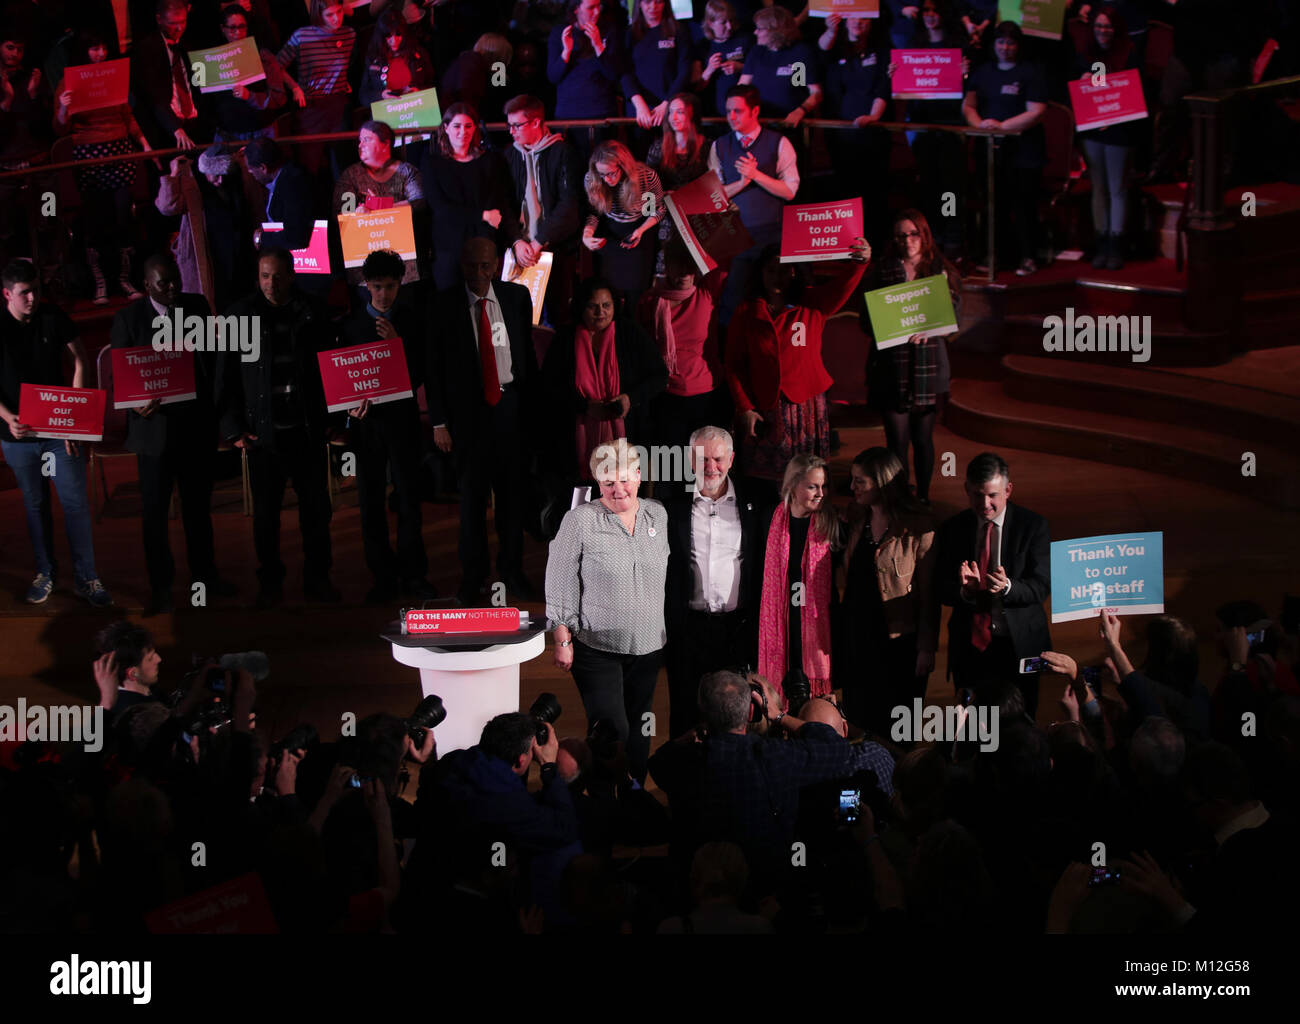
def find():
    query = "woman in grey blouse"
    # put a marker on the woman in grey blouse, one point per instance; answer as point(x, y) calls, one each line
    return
point(605, 598)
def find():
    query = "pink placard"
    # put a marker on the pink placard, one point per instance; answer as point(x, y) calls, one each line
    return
point(106, 84)
point(1100, 106)
point(315, 259)
point(376, 370)
point(462, 620)
point(926, 74)
point(820, 231)
point(73, 414)
point(141, 374)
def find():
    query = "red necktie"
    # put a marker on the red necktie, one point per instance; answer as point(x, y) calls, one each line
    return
point(181, 85)
point(981, 627)
point(491, 383)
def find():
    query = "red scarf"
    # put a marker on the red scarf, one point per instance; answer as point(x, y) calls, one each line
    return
point(596, 378)
point(814, 617)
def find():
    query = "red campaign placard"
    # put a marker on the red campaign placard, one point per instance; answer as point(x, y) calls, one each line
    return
point(708, 222)
point(1100, 106)
point(926, 74)
point(237, 907)
point(140, 375)
point(820, 231)
point(315, 259)
point(376, 370)
point(71, 414)
point(462, 620)
point(93, 86)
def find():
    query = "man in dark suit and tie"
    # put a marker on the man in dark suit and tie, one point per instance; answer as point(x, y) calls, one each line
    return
point(482, 368)
point(162, 99)
point(174, 444)
point(716, 540)
point(993, 567)
point(288, 196)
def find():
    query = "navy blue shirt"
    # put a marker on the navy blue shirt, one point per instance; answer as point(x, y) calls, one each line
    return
point(1004, 94)
point(773, 72)
point(734, 48)
point(586, 86)
point(854, 82)
point(661, 64)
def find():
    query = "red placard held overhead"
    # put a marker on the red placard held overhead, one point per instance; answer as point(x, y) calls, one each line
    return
point(820, 231)
point(140, 375)
point(1100, 106)
point(72, 414)
point(926, 74)
point(376, 370)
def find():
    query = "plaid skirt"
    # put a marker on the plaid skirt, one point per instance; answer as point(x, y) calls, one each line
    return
point(807, 430)
point(105, 177)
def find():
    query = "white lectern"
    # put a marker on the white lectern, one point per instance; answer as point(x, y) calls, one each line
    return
point(475, 674)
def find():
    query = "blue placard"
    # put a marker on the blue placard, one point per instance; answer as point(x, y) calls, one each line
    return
point(1124, 571)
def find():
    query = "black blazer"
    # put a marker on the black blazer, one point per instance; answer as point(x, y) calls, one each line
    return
point(151, 88)
point(183, 423)
point(642, 376)
point(455, 390)
point(755, 517)
point(290, 205)
point(1026, 556)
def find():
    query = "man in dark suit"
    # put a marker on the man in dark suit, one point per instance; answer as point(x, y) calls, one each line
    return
point(993, 568)
point(288, 196)
point(274, 409)
point(716, 539)
point(387, 436)
point(174, 444)
point(482, 367)
point(162, 99)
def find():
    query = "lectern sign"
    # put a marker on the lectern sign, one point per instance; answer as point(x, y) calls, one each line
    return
point(461, 620)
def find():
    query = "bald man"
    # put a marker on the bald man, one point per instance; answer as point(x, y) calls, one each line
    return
point(482, 369)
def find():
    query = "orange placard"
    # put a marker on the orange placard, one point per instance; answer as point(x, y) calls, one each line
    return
point(368, 231)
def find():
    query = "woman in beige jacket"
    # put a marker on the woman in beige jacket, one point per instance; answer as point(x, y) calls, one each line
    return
point(889, 620)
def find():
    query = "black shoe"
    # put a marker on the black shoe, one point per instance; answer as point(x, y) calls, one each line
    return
point(268, 597)
point(382, 594)
point(420, 589)
point(520, 588)
point(219, 587)
point(321, 591)
point(159, 604)
point(1103, 252)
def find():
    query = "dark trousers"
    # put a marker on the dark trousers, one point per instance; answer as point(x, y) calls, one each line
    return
point(621, 688)
point(490, 461)
point(189, 469)
point(884, 678)
point(388, 444)
point(983, 671)
point(702, 643)
point(298, 458)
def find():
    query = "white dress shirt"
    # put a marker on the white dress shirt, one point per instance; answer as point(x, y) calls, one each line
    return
point(502, 352)
point(715, 552)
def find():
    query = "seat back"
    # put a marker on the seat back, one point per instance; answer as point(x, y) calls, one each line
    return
point(542, 338)
point(1058, 128)
point(114, 419)
point(1160, 47)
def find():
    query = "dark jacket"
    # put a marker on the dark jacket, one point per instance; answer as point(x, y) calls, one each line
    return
point(1026, 556)
point(642, 375)
point(755, 517)
point(457, 195)
point(290, 205)
point(245, 400)
point(455, 374)
point(179, 424)
point(151, 89)
point(560, 173)
point(407, 317)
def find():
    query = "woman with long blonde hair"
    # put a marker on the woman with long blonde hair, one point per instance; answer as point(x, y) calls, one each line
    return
point(628, 203)
point(794, 618)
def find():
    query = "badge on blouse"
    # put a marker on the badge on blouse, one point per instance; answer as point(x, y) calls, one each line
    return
point(652, 531)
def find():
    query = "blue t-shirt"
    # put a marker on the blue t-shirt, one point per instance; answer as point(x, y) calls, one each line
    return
point(854, 83)
point(774, 72)
point(734, 48)
point(1004, 94)
point(661, 64)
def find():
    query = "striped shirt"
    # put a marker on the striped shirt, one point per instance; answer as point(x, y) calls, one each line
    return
point(608, 587)
point(647, 184)
point(322, 58)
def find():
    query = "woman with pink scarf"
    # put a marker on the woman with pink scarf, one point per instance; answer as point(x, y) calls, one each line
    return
point(599, 378)
point(794, 617)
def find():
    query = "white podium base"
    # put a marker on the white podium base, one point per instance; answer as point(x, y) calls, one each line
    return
point(475, 686)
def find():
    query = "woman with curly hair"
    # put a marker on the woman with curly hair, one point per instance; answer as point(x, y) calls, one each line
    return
point(628, 203)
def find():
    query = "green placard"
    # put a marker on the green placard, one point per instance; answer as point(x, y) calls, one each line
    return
point(219, 68)
point(412, 110)
point(1043, 18)
point(915, 307)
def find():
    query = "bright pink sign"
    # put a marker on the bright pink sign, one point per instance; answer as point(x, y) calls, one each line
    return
point(93, 86)
point(140, 375)
point(72, 414)
point(376, 370)
point(315, 259)
point(820, 231)
point(462, 620)
point(926, 74)
point(1100, 106)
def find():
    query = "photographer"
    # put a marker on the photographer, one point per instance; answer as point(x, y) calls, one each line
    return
point(127, 667)
point(733, 786)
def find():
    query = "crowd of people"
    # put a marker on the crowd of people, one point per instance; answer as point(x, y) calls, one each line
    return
point(788, 808)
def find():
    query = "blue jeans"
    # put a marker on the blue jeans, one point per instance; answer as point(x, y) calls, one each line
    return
point(25, 459)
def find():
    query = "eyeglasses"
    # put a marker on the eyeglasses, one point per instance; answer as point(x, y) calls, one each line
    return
point(518, 126)
point(903, 236)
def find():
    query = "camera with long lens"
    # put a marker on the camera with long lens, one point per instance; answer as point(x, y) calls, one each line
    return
point(544, 711)
point(428, 714)
point(301, 737)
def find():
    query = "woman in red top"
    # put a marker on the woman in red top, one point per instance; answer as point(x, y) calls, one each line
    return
point(774, 362)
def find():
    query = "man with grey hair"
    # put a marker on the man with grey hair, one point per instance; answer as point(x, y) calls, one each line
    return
point(732, 785)
point(716, 535)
